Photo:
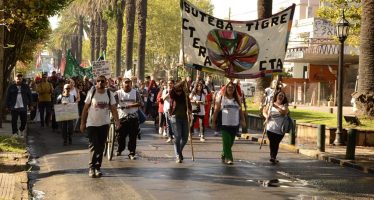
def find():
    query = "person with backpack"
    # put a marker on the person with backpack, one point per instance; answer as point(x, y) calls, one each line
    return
point(129, 101)
point(67, 126)
point(231, 116)
point(96, 119)
point(274, 118)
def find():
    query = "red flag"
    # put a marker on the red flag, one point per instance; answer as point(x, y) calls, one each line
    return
point(62, 64)
point(38, 61)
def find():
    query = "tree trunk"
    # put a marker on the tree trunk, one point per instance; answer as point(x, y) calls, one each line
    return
point(92, 45)
point(80, 39)
point(59, 58)
point(97, 35)
point(130, 19)
point(104, 34)
point(74, 45)
point(142, 32)
point(10, 58)
point(1, 64)
point(365, 94)
point(264, 9)
point(119, 20)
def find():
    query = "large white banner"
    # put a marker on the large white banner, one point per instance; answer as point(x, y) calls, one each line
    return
point(238, 49)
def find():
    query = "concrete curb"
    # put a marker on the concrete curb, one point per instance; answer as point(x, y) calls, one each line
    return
point(315, 154)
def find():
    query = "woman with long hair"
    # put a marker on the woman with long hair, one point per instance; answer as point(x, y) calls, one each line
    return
point(228, 104)
point(274, 118)
point(198, 109)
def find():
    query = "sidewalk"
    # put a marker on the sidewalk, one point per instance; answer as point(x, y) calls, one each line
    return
point(364, 156)
point(13, 177)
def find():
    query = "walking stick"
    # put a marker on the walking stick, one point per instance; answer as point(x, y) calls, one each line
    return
point(188, 119)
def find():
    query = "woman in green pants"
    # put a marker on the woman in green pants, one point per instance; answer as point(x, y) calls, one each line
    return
point(228, 104)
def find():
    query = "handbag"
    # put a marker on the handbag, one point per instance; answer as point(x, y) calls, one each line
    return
point(287, 124)
point(141, 116)
point(197, 110)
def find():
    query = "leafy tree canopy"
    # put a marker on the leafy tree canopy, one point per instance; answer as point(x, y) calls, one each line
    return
point(332, 10)
point(29, 12)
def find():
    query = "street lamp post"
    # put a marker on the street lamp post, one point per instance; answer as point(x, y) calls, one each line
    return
point(342, 29)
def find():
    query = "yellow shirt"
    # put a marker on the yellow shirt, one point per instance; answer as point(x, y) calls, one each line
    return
point(44, 90)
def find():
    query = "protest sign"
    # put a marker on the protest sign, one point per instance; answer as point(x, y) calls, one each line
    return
point(66, 111)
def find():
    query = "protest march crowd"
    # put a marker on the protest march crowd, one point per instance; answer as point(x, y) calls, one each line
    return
point(177, 107)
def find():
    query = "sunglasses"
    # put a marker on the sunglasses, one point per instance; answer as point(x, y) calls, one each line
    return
point(67, 88)
point(101, 81)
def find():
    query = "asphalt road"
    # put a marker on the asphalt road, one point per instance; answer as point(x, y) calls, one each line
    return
point(60, 172)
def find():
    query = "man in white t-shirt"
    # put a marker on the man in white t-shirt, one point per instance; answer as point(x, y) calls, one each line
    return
point(129, 101)
point(96, 118)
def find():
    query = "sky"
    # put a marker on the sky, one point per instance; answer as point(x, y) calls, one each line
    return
point(242, 9)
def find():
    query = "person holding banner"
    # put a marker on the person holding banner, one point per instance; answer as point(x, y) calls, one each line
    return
point(129, 101)
point(67, 126)
point(230, 107)
point(179, 111)
point(96, 118)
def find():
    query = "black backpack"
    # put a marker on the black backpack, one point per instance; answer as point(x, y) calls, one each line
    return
point(93, 94)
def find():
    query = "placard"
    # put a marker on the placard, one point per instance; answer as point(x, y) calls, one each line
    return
point(101, 67)
point(66, 111)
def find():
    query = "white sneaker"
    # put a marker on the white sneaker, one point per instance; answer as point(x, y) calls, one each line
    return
point(169, 140)
point(216, 133)
point(165, 134)
point(160, 130)
point(202, 139)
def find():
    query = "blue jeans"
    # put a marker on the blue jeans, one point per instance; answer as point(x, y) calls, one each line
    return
point(47, 107)
point(180, 130)
point(169, 129)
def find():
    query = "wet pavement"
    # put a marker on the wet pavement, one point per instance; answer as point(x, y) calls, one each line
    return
point(60, 172)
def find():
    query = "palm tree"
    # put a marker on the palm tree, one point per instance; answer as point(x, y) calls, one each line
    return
point(130, 19)
point(92, 38)
point(97, 34)
point(80, 37)
point(104, 33)
point(264, 9)
point(119, 8)
point(142, 30)
point(365, 94)
point(71, 28)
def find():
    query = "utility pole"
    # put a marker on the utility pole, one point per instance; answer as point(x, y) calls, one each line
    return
point(229, 13)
